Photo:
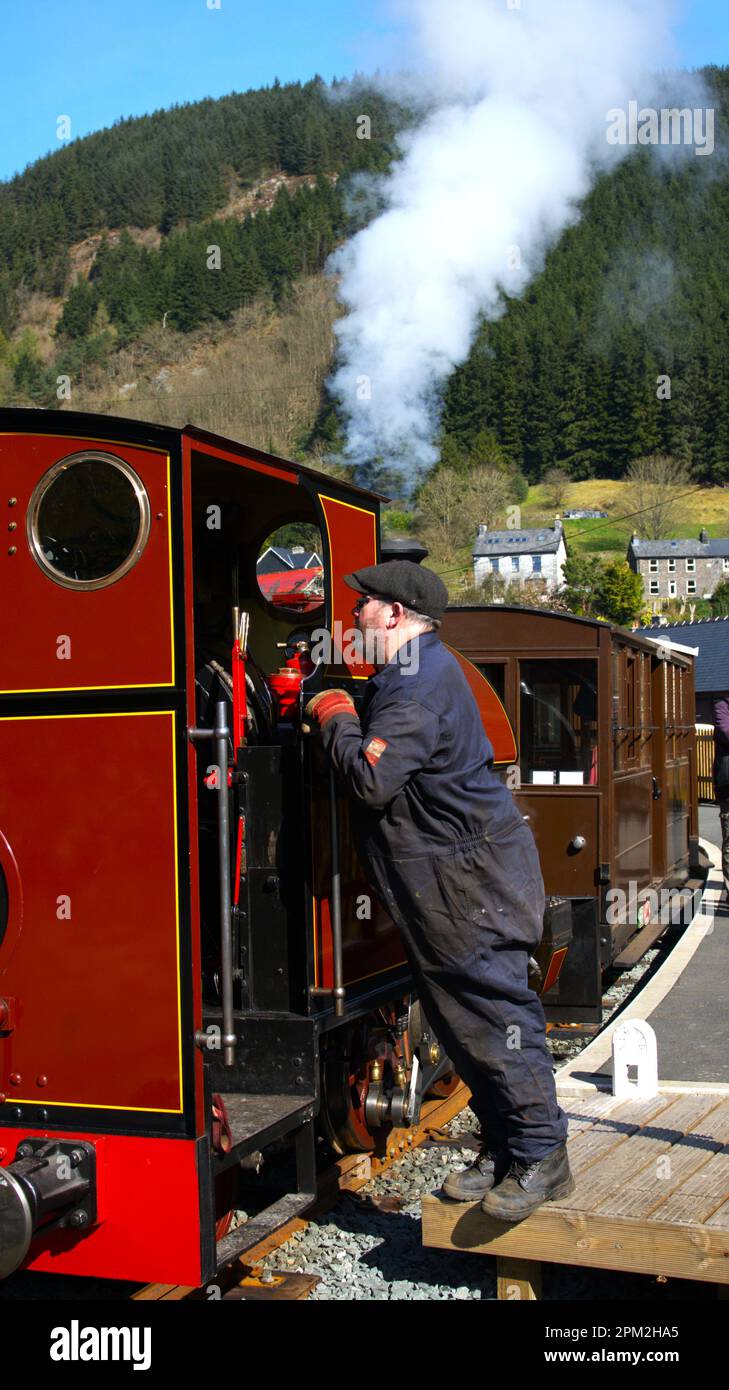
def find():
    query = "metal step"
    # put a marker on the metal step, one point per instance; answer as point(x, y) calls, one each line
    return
point(257, 1120)
point(647, 936)
point(260, 1227)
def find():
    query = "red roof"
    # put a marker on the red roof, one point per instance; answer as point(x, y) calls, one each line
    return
point(302, 589)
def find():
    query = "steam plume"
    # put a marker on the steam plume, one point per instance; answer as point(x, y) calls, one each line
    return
point(516, 127)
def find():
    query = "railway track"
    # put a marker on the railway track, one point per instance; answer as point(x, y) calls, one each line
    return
point(242, 1280)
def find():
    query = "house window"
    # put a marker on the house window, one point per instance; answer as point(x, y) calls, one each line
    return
point(655, 586)
point(690, 586)
point(653, 566)
point(690, 566)
point(536, 564)
point(671, 588)
point(494, 566)
point(671, 566)
point(515, 562)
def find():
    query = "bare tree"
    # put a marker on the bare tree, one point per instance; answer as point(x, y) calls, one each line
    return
point(654, 483)
point(556, 483)
point(453, 504)
point(488, 493)
point(441, 505)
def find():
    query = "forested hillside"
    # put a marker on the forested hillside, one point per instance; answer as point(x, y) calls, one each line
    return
point(636, 290)
point(177, 166)
point(568, 376)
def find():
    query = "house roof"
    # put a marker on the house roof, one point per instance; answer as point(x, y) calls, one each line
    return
point(711, 636)
point(278, 556)
point(673, 549)
point(546, 540)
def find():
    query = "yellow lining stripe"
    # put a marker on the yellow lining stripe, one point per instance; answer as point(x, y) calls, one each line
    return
point(91, 1105)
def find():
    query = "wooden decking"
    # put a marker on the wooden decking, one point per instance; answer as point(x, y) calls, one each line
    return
point(652, 1197)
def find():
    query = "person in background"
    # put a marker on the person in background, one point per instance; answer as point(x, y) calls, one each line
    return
point(721, 777)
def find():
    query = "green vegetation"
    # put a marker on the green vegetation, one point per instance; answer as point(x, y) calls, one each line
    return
point(178, 167)
point(207, 271)
point(720, 600)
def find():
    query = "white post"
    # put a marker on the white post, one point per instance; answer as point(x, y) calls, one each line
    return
point(635, 1061)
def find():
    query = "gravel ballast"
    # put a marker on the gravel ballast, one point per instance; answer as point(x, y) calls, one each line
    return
point(364, 1251)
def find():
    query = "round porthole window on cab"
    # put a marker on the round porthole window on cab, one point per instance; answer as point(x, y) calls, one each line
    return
point(88, 520)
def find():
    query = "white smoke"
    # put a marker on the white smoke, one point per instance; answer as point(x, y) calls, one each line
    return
point(519, 96)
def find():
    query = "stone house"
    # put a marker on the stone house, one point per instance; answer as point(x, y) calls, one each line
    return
point(521, 555)
point(679, 568)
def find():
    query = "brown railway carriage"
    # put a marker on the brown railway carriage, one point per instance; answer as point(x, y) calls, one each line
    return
point(606, 774)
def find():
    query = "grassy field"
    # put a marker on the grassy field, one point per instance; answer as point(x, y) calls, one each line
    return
point(707, 507)
point(606, 539)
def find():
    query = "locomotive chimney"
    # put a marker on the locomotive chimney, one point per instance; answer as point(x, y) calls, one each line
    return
point(399, 548)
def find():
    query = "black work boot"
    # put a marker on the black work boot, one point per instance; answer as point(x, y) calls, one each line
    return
point(527, 1185)
point(470, 1184)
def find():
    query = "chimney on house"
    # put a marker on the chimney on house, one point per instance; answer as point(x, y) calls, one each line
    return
point(703, 535)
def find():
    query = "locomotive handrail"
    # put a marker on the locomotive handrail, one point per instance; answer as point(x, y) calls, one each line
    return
point(221, 734)
point(337, 992)
point(337, 963)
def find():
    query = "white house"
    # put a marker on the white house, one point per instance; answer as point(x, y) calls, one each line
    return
point(521, 555)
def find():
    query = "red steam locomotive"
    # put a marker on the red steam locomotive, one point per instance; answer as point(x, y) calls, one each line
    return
point(191, 965)
point(192, 969)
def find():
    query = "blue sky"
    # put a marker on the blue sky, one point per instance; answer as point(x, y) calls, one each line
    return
point(97, 60)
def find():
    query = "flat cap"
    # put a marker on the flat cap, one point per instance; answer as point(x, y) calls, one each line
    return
point(402, 581)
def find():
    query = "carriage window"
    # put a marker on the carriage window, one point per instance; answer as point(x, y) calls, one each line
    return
point(494, 671)
point(88, 520)
point(558, 702)
point(290, 568)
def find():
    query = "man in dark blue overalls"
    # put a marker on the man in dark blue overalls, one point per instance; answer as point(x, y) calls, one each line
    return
point(456, 866)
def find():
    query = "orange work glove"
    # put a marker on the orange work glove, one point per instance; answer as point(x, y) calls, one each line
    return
point(323, 707)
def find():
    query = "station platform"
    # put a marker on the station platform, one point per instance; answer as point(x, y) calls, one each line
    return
point(684, 1002)
point(652, 1176)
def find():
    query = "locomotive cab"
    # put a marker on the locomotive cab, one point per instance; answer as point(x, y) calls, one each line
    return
point(192, 967)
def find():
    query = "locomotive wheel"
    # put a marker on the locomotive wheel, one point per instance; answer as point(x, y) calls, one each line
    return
point(345, 1080)
point(345, 1077)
